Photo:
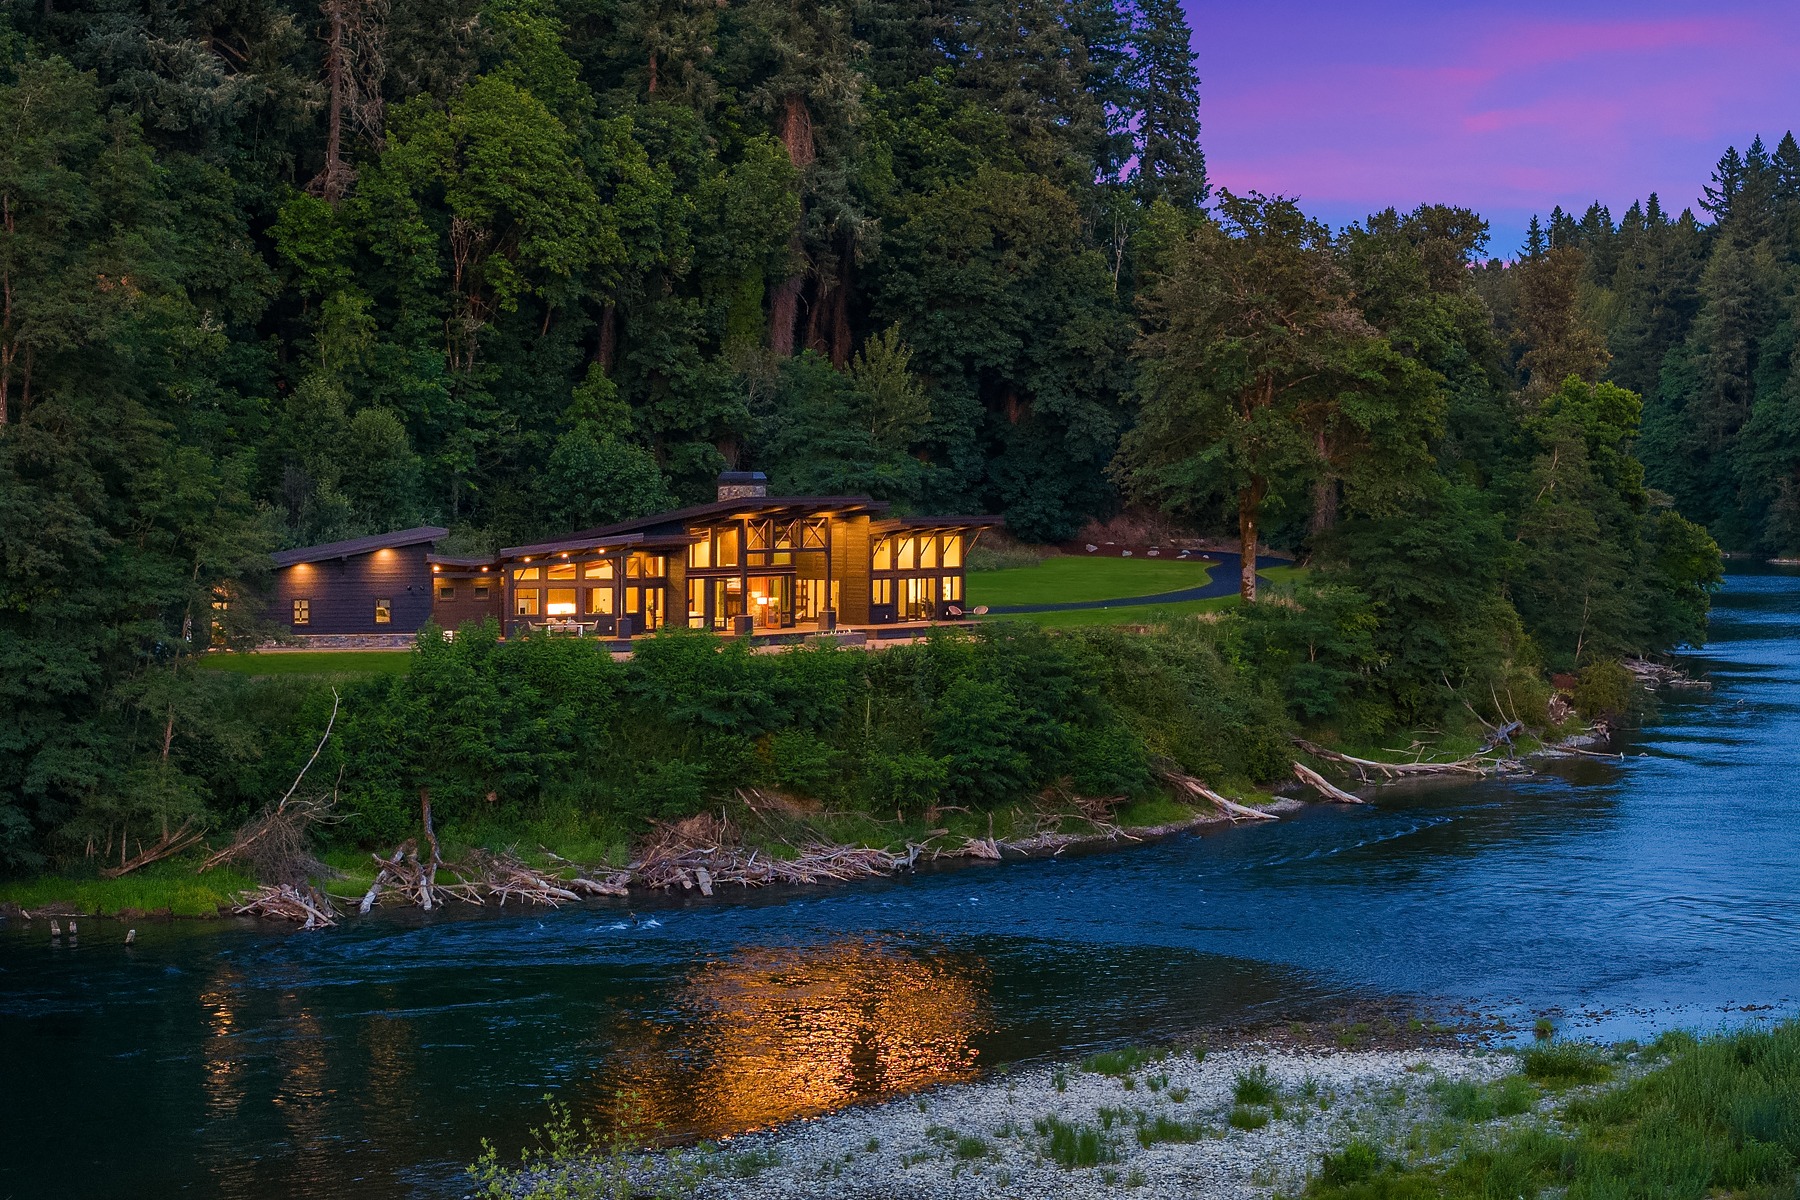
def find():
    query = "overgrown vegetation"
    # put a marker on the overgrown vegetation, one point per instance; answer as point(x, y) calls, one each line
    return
point(1720, 1118)
point(266, 285)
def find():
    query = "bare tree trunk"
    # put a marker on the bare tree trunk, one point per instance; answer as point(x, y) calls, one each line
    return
point(608, 348)
point(784, 302)
point(1249, 513)
point(652, 88)
point(330, 183)
point(1325, 492)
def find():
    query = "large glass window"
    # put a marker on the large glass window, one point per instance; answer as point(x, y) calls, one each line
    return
point(884, 554)
point(928, 553)
point(303, 612)
point(697, 604)
point(882, 591)
point(952, 585)
point(812, 535)
point(904, 553)
point(700, 552)
point(599, 570)
point(525, 573)
point(562, 602)
point(726, 548)
point(525, 604)
point(953, 548)
point(600, 602)
point(384, 611)
point(562, 570)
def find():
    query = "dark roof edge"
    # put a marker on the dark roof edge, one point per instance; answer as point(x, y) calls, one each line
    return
point(939, 522)
point(362, 545)
point(743, 504)
point(574, 541)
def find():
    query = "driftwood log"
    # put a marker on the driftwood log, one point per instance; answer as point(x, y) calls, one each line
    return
point(1324, 786)
point(1230, 808)
point(1466, 766)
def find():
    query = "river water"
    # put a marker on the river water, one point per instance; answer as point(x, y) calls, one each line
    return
point(229, 1059)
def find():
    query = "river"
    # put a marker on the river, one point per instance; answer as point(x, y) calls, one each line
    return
point(235, 1060)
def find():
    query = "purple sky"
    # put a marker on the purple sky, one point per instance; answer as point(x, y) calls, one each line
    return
point(1507, 108)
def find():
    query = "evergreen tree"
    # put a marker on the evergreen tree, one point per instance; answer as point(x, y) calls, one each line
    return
point(1170, 163)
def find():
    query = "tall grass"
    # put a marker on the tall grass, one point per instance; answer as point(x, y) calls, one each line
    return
point(1721, 1118)
point(170, 888)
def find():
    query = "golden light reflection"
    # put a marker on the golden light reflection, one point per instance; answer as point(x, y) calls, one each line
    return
point(221, 1055)
point(771, 1034)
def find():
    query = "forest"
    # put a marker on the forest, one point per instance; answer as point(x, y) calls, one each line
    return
point(274, 273)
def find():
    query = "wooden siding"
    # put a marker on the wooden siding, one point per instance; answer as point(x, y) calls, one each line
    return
point(343, 591)
point(850, 564)
point(463, 608)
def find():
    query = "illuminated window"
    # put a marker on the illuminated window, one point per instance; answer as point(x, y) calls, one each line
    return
point(760, 534)
point(525, 573)
point(599, 570)
point(384, 610)
point(600, 601)
point(525, 604)
point(696, 603)
point(700, 552)
point(813, 535)
point(446, 591)
point(883, 591)
point(481, 591)
point(952, 587)
point(927, 553)
point(903, 557)
point(562, 602)
point(303, 612)
point(884, 554)
point(562, 571)
point(726, 552)
point(953, 546)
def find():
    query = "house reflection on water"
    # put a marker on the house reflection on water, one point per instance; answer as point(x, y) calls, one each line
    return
point(774, 1033)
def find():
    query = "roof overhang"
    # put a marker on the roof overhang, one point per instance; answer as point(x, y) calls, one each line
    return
point(358, 546)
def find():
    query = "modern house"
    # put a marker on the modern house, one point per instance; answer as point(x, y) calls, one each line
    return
point(746, 563)
point(369, 586)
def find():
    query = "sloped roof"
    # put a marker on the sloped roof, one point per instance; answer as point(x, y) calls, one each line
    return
point(745, 504)
point(362, 545)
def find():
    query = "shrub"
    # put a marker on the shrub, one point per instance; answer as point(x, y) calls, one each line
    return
point(1604, 690)
point(1255, 1086)
point(1070, 1145)
point(1356, 1162)
point(1562, 1064)
point(1118, 1062)
point(1244, 1117)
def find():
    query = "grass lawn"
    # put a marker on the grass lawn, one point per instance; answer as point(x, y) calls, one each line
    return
point(1138, 614)
point(311, 662)
point(1068, 578)
point(170, 886)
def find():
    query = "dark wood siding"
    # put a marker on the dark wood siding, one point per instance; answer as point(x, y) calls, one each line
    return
point(342, 592)
point(850, 568)
point(462, 607)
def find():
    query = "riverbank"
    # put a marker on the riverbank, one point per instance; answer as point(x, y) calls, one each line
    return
point(759, 837)
point(1265, 1120)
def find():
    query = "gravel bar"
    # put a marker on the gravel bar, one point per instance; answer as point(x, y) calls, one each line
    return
point(992, 1138)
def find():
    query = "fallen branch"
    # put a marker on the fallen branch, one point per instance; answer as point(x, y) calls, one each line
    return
point(285, 902)
point(1230, 808)
point(1323, 786)
point(1467, 766)
point(169, 844)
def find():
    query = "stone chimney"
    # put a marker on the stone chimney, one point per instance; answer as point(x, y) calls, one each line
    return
point(743, 485)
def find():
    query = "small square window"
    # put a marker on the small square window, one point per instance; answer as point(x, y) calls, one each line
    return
point(446, 591)
point(384, 611)
point(303, 612)
point(481, 591)
point(525, 604)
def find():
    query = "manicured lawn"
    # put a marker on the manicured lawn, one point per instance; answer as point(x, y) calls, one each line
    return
point(1069, 578)
point(1138, 614)
point(1125, 614)
point(311, 662)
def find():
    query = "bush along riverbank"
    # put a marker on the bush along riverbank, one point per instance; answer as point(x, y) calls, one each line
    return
point(545, 770)
point(1678, 1118)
